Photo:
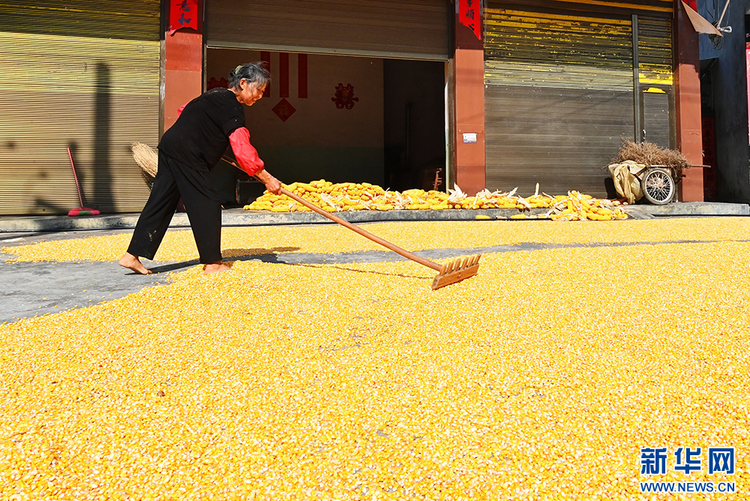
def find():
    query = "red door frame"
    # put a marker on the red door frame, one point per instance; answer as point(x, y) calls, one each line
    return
point(182, 59)
point(688, 103)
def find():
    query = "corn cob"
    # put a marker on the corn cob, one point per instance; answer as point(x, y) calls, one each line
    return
point(343, 197)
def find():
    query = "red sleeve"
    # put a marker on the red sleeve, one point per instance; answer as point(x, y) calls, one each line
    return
point(246, 154)
point(179, 110)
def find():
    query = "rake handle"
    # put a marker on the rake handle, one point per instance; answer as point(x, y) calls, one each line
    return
point(395, 248)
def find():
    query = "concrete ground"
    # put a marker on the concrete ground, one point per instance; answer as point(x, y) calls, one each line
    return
point(30, 289)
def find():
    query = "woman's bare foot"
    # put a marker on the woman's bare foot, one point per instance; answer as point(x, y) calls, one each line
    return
point(132, 262)
point(216, 267)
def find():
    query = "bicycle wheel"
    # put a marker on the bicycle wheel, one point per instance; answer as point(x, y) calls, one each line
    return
point(658, 186)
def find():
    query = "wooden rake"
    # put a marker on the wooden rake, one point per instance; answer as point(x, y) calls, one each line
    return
point(450, 273)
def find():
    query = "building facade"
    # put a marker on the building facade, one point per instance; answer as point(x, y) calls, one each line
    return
point(725, 72)
point(423, 93)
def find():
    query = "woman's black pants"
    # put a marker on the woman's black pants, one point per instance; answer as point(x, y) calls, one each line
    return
point(173, 181)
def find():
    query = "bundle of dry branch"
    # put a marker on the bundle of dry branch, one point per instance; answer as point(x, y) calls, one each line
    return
point(651, 154)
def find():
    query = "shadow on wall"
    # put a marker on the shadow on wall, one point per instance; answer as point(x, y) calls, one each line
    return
point(102, 186)
point(99, 192)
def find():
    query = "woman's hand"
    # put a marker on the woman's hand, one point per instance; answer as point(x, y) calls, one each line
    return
point(272, 184)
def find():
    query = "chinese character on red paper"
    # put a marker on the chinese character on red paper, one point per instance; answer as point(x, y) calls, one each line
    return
point(183, 14)
point(469, 16)
point(284, 110)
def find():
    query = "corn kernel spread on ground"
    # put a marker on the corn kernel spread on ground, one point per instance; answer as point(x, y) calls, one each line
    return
point(540, 378)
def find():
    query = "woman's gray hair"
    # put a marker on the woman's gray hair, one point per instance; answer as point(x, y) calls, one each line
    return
point(254, 73)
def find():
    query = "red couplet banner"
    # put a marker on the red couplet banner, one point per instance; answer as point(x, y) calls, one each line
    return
point(183, 14)
point(469, 14)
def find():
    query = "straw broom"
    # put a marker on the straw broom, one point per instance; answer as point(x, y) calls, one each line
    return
point(147, 159)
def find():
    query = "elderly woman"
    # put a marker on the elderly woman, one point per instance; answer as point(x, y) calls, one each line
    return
point(205, 127)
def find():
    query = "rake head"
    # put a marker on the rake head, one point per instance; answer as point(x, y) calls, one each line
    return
point(455, 271)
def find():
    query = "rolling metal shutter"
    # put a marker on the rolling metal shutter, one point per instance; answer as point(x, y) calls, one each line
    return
point(655, 81)
point(560, 89)
point(413, 29)
point(83, 75)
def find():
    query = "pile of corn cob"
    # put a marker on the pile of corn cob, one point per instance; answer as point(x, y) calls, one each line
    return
point(365, 196)
point(575, 207)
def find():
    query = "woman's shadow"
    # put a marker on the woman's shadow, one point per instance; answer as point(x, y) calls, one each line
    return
point(264, 255)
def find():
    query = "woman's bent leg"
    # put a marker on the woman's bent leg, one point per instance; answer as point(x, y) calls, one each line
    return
point(204, 211)
point(156, 215)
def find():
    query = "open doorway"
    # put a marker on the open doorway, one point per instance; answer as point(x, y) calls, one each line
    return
point(339, 118)
point(415, 151)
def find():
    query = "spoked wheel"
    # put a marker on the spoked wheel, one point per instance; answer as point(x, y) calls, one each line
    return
point(658, 186)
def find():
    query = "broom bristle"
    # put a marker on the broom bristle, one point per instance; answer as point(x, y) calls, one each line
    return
point(146, 157)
